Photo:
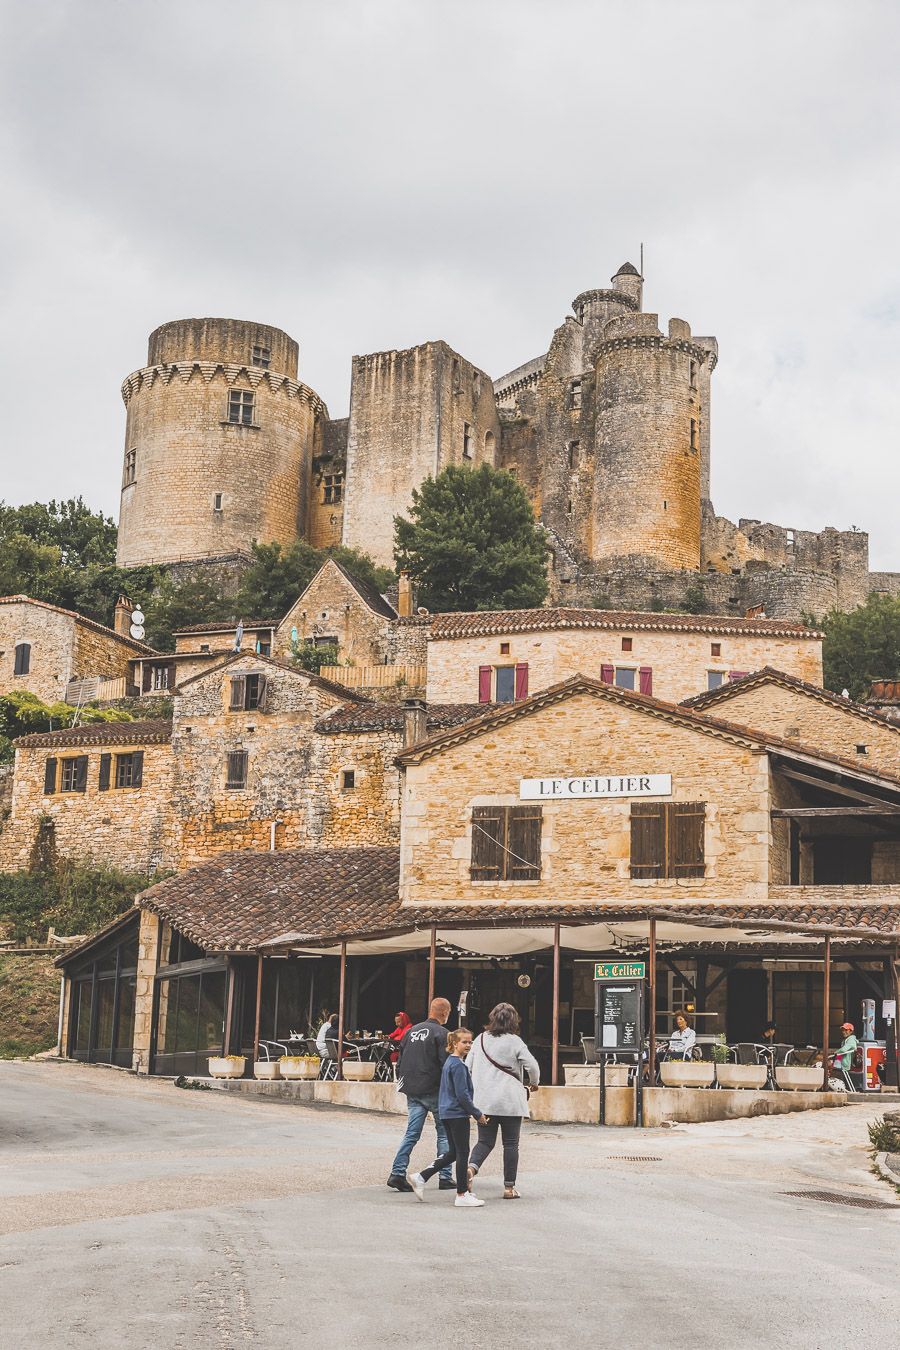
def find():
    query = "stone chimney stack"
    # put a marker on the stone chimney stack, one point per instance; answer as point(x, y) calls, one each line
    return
point(405, 596)
point(122, 619)
point(414, 724)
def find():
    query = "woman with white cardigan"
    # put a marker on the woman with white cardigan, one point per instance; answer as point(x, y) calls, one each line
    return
point(499, 1062)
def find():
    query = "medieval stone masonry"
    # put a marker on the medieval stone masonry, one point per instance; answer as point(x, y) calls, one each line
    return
point(609, 433)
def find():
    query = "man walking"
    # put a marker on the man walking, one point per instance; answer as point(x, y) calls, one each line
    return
point(422, 1054)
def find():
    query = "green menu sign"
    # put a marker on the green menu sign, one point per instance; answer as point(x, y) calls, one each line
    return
point(620, 970)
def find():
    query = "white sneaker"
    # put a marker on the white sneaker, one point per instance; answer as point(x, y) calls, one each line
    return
point(417, 1181)
point(467, 1201)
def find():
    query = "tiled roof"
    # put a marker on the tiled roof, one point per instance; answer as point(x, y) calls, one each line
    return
point(372, 596)
point(711, 698)
point(485, 623)
point(390, 717)
point(628, 270)
point(884, 692)
point(240, 900)
point(155, 732)
point(346, 695)
point(222, 627)
point(79, 618)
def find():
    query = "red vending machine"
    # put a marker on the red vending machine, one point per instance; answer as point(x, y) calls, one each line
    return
point(871, 1053)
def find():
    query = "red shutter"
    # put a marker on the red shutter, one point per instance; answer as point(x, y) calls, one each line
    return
point(484, 684)
point(608, 674)
point(646, 678)
point(736, 674)
point(522, 680)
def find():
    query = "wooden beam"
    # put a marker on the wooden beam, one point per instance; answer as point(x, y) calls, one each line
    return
point(711, 988)
point(804, 812)
point(826, 1014)
point(839, 789)
point(877, 989)
point(229, 1006)
point(667, 961)
point(259, 975)
point(341, 993)
point(554, 1043)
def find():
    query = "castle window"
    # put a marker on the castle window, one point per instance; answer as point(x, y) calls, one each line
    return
point(574, 454)
point(693, 374)
point(333, 488)
point(695, 434)
point(506, 843)
point(575, 393)
point(348, 780)
point(627, 644)
point(240, 407)
point(236, 769)
point(22, 664)
point(217, 501)
point(467, 441)
point(715, 649)
point(262, 356)
point(715, 679)
point(130, 473)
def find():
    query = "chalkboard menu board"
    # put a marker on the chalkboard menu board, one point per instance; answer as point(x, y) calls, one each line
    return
point(618, 1013)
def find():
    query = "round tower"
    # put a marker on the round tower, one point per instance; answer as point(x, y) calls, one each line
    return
point(219, 442)
point(648, 440)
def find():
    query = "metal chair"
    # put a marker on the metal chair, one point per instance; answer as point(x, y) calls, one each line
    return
point(329, 1065)
point(384, 1069)
point(589, 1049)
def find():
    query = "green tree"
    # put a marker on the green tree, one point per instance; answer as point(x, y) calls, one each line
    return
point(471, 542)
point(277, 576)
point(862, 646)
point(180, 604)
point(22, 713)
point(312, 658)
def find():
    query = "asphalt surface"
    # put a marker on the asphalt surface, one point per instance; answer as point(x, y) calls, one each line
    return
point(133, 1214)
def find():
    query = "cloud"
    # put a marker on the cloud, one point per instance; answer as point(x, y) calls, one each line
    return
point(372, 175)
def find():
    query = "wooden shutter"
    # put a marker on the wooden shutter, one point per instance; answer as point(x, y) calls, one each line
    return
point(238, 689)
point(137, 768)
point(648, 835)
point(686, 838)
point(488, 831)
point(523, 843)
point(484, 684)
point(236, 769)
point(146, 677)
point(49, 777)
point(608, 674)
point(522, 680)
point(81, 768)
point(105, 764)
point(262, 691)
point(23, 659)
point(645, 675)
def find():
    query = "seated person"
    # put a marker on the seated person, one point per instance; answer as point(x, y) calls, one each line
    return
point(843, 1058)
point(681, 1042)
point(328, 1031)
point(769, 1033)
point(402, 1024)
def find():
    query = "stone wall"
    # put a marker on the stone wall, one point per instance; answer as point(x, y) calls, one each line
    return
point(585, 845)
point(325, 520)
point(331, 606)
point(52, 639)
point(148, 949)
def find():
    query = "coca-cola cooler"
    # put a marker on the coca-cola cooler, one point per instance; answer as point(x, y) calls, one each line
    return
point(871, 1053)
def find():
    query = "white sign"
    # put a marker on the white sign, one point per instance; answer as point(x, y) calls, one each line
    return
point(596, 785)
point(889, 1009)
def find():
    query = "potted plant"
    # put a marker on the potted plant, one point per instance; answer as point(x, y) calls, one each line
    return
point(300, 1066)
point(227, 1066)
point(267, 1068)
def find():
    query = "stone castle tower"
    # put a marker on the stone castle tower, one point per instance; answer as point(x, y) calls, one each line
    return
point(608, 433)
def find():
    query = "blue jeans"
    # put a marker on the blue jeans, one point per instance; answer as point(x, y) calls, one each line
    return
point(417, 1111)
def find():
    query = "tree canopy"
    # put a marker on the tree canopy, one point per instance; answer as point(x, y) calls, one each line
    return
point(278, 575)
point(862, 646)
point(471, 542)
point(21, 713)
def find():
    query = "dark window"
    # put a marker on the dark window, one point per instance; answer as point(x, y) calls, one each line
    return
point(236, 769)
point(130, 770)
point(467, 441)
point(625, 677)
point(575, 392)
point(73, 774)
point(130, 467)
point(715, 649)
point(328, 640)
point(862, 749)
point(504, 649)
point(160, 676)
point(715, 679)
point(574, 454)
point(217, 501)
point(262, 356)
point(332, 488)
point(22, 659)
point(264, 648)
point(348, 779)
point(506, 843)
point(505, 690)
point(248, 692)
point(240, 407)
point(842, 862)
point(695, 434)
point(627, 644)
point(667, 839)
point(693, 374)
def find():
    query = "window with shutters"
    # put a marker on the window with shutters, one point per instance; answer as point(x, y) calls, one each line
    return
point(73, 774)
point(240, 407)
point(715, 679)
point(248, 693)
point(668, 839)
point(22, 664)
point(236, 769)
point(505, 687)
point(506, 843)
point(129, 770)
point(50, 768)
point(625, 677)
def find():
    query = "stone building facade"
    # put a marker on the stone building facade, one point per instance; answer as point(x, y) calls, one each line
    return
point(43, 648)
point(609, 433)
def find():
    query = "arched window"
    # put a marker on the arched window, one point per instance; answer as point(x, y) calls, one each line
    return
point(489, 444)
point(23, 658)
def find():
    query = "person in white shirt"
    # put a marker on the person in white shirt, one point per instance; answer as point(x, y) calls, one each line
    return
point(681, 1042)
point(327, 1032)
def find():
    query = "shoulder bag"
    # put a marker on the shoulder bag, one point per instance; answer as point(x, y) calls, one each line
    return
point(503, 1068)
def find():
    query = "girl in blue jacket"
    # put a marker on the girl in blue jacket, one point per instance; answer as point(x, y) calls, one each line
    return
point(455, 1108)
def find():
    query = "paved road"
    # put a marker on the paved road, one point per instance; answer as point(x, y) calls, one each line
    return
point(135, 1215)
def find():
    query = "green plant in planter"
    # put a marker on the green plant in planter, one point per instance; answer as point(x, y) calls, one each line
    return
point(720, 1052)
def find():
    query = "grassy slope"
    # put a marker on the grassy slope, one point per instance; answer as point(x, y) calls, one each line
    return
point(29, 1005)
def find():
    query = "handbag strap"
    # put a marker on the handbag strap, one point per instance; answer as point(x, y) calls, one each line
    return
point(502, 1067)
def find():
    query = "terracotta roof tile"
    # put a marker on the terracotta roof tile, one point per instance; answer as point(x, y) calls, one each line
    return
point(223, 627)
point(711, 698)
point(390, 717)
point(79, 618)
point(155, 732)
point(485, 623)
point(329, 685)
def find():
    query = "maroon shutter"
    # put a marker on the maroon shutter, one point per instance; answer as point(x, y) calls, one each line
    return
point(522, 680)
point(736, 674)
point(484, 684)
point(646, 678)
point(608, 674)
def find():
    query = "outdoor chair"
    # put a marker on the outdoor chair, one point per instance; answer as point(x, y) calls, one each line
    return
point(384, 1069)
point(329, 1065)
point(804, 1056)
point(746, 1052)
point(589, 1049)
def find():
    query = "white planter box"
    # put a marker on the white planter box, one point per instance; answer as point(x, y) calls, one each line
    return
point(295, 1067)
point(741, 1075)
point(687, 1073)
point(355, 1072)
point(232, 1067)
point(267, 1068)
point(588, 1075)
point(799, 1078)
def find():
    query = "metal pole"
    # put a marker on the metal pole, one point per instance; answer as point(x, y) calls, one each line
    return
point(826, 1015)
point(432, 957)
point(340, 1040)
point(229, 1008)
point(259, 975)
point(651, 964)
point(554, 1052)
point(896, 968)
point(602, 1088)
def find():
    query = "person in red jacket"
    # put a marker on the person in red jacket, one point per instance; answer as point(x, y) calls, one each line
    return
point(402, 1024)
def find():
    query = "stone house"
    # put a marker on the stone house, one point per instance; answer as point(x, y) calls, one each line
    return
point(99, 793)
point(197, 648)
point(338, 610)
point(44, 648)
point(502, 656)
point(800, 711)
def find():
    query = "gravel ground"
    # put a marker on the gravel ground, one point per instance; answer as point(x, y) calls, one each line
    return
point(133, 1214)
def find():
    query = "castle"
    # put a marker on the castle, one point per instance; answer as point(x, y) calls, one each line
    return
point(608, 433)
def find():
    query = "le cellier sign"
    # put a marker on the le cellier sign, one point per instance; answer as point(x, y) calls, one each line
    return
point(588, 787)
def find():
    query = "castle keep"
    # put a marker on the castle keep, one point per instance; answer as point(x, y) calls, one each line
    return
point(609, 433)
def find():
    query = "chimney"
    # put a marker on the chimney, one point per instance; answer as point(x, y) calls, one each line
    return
point(414, 725)
point(405, 596)
point(122, 616)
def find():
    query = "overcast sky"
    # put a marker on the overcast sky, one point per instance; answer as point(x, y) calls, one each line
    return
point(374, 175)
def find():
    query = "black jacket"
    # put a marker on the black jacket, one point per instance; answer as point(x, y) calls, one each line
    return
point(422, 1054)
